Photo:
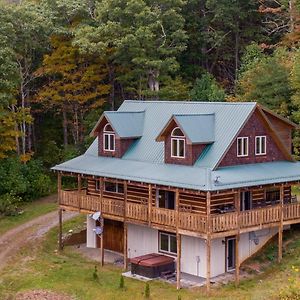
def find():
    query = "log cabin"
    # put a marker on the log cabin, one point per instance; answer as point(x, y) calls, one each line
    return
point(204, 183)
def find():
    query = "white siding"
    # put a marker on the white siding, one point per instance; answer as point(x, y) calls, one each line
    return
point(217, 257)
point(193, 256)
point(247, 245)
point(141, 240)
point(90, 234)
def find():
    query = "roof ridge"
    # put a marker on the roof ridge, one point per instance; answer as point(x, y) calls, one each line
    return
point(125, 112)
point(191, 102)
point(197, 114)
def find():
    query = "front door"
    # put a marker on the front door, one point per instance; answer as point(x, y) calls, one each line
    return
point(230, 254)
point(246, 200)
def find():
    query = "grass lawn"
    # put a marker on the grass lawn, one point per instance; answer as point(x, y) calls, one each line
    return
point(40, 267)
point(30, 211)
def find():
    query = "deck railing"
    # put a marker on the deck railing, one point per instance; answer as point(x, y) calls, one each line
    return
point(244, 220)
point(137, 211)
point(164, 216)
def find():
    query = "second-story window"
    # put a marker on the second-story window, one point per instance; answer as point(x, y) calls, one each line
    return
point(260, 145)
point(177, 143)
point(242, 146)
point(97, 185)
point(108, 138)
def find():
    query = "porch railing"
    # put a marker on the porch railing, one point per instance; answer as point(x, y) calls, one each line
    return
point(189, 221)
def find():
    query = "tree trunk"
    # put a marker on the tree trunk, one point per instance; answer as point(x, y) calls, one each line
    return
point(111, 78)
point(236, 52)
point(291, 13)
point(65, 125)
point(153, 82)
point(16, 130)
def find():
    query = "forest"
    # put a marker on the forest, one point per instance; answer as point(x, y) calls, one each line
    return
point(62, 62)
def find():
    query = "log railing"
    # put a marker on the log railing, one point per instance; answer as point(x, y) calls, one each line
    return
point(136, 211)
point(113, 207)
point(192, 221)
point(224, 222)
point(219, 223)
point(164, 216)
point(259, 217)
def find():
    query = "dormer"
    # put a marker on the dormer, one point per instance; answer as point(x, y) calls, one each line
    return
point(186, 136)
point(116, 131)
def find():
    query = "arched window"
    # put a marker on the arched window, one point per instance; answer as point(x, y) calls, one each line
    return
point(108, 138)
point(177, 143)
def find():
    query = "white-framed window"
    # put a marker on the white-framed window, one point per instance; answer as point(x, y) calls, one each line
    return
point(242, 146)
point(113, 187)
point(97, 185)
point(177, 143)
point(108, 138)
point(260, 145)
point(167, 242)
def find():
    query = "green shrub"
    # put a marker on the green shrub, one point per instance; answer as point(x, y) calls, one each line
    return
point(9, 204)
point(147, 290)
point(95, 274)
point(121, 283)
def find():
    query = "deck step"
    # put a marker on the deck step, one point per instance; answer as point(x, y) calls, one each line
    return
point(167, 274)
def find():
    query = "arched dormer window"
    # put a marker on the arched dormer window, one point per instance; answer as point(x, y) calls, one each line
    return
point(177, 143)
point(108, 138)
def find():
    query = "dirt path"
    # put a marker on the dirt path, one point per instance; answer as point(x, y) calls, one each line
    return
point(14, 239)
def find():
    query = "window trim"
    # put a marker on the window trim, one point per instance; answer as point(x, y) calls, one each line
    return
point(242, 138)
point(116, 185)
point(260, 137)
point(97, 185)
point(169, 234)
point(177, 139)
point(109, 133)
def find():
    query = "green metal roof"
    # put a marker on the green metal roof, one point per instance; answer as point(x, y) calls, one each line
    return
point(200, 128)
point(144, 160)
point(125, 124)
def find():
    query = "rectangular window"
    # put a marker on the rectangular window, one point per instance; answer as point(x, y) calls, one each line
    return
point(242, 146)
point(272, 196)
point(109, 142)
point(167, 243)
point(165, 199)
point(97, 185)
point(113, 187)
point(260, 145)
point(177, 148)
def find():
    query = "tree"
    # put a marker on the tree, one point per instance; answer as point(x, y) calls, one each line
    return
point(218, 32)
point(74, 84)
point(8, 86)
point(144, 37)
point(266, 80)
point(207, 89)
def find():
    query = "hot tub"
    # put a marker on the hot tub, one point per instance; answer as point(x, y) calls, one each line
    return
point(152, 265)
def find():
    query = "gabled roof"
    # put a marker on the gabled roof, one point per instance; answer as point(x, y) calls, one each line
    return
point(198, 128)
point(229, 118)
point(125, 124)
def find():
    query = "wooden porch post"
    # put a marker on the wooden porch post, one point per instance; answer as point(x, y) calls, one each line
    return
point(125, 246)
point(101, 249)
point(60, 241)
point(178, 241)
point(149, 204)
point(178, 265)
point(60, 211)
point(125, 254)
point(237, 240)
point(79, 190)
point(208, 243)
point(280, 228)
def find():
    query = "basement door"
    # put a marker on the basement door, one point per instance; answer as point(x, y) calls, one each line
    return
point(230, 254)
point(113, 236)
